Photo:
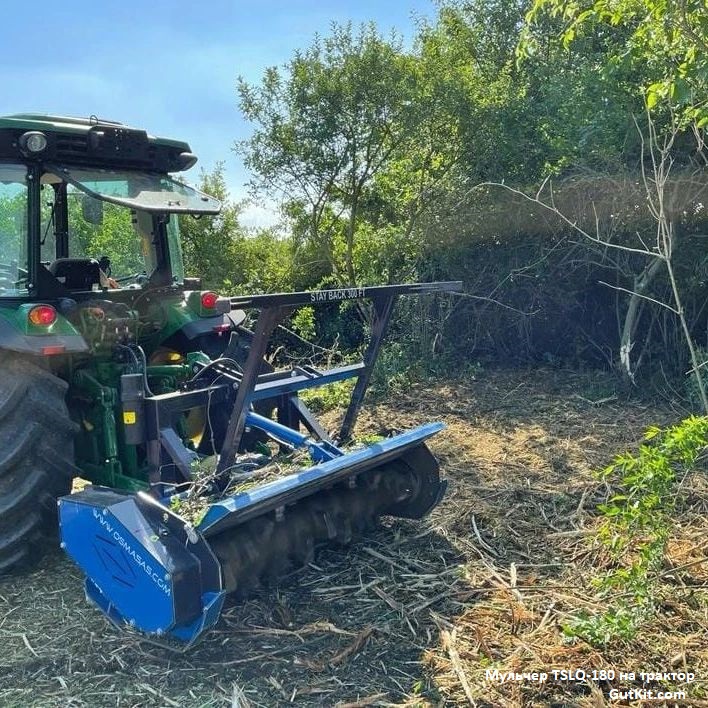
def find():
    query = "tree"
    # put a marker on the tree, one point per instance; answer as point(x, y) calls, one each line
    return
point(328, 127)
point(667, 198)
point(211, 244)
point(114, 237)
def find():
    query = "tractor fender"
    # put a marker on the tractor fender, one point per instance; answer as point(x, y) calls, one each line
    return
point(209, 325)
point(41, 344)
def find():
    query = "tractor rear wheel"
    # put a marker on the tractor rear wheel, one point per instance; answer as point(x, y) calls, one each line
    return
point(36, 458)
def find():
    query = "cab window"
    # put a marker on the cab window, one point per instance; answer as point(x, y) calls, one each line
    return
point(13, 230)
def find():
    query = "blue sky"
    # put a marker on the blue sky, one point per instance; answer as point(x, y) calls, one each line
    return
point(168, 67)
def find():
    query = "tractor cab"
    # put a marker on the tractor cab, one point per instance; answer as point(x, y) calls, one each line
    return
point(89, 206)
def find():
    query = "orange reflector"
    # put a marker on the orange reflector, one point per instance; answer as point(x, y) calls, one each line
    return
point(209, 300)
point(48, 351)
point(42, 315)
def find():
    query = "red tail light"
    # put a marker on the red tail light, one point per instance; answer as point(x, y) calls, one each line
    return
point(209, 300)
point(42, 315)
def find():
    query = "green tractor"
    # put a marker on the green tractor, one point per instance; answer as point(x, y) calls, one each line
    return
point(117, 369)
point(91, 278)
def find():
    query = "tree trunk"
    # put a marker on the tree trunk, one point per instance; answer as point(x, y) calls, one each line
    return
point(631, 318)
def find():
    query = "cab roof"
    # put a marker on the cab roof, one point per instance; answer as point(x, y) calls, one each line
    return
point(93, 142)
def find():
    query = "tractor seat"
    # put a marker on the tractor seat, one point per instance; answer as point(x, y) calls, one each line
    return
point(76, 273)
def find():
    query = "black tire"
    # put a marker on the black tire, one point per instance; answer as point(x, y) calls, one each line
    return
point(36, 458)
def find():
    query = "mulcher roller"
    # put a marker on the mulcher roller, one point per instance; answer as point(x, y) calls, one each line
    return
point(267, 548)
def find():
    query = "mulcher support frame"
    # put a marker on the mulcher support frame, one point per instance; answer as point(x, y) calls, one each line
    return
point(282, 386)
point(149, 569)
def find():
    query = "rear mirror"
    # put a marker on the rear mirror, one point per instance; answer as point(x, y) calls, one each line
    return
point(92, 210)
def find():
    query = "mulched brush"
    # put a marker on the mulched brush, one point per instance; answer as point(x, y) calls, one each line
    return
point(260, 470)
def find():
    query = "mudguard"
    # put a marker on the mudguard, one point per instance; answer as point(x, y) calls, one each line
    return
point(145, 567)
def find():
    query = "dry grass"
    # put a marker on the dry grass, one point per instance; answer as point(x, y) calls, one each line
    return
point(414, 614)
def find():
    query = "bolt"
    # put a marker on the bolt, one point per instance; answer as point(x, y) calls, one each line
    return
point(105, 511)
point(62, 545)
point(168, 576)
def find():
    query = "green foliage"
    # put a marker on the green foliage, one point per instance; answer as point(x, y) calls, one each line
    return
point(370, 439)
point(265, 260)
point(328, 129)
point(303, 323)
point(400, 365)
point(393, 374)
point(636, 525)
point(225, 255)
point(210, 245)
point(329, 397)
point(372, 150)
point(13, 231)
point(114, 237)
point(669, 38)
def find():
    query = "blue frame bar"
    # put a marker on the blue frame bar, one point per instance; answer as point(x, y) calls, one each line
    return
point(320, 451)
point(300, 382)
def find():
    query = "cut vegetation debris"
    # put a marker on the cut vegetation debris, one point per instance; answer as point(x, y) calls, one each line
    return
point(411, 615)
point(192, 505)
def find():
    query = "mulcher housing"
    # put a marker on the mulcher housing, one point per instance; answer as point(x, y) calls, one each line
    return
point(146, 374)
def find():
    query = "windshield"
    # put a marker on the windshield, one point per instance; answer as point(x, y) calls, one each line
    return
point(140, 190)
point(13, 230)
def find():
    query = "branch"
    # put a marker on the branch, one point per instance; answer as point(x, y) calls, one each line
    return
point(496, 302)
point(564, 218)
point(684, 24)
point(644, 297)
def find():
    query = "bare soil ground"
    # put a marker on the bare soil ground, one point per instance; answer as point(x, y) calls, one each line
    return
point(415, 613)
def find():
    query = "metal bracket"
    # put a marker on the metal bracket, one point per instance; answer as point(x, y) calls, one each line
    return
point(267, 321)
point(282, 386)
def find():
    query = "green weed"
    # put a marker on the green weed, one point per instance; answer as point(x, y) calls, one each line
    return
point(636, 526)
point(329, 397)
